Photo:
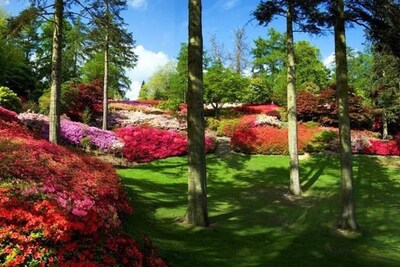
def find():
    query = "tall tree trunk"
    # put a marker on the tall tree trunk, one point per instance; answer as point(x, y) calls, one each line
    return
point(385, 131)
point(295, 188)
point(106, 70)
point(196, 213)
point(347, 219)
point(54, 114)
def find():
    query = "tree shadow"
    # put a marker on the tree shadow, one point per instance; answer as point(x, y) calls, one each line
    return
point(256, 223)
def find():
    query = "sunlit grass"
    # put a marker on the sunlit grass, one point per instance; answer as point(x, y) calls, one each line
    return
point(255, 223)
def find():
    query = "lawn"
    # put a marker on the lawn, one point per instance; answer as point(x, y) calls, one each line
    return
point(254, 222)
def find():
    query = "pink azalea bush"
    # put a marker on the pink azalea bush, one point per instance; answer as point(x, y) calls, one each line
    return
point(59, 208)
point(144, 144)
point(73, 133)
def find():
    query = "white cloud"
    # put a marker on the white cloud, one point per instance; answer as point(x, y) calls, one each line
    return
point(138, 4)
point(329, 61)
point(230, 4)
point(148, 63)
point(4, 2)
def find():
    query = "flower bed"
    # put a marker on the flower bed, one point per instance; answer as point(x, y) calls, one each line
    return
point(74, 133)
point(144, 144)
point(58, 208)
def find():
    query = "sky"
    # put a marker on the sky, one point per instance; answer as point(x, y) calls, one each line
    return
point(160, 26)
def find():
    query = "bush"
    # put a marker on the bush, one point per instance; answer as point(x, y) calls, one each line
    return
point(74, 133)
point(58, 208)
point(9, 99)
point(323, 108)
point(144, 144)
point(322, 141)
point(77, 99)
point(269, 140)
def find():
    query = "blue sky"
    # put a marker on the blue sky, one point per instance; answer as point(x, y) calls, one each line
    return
point(160, 26)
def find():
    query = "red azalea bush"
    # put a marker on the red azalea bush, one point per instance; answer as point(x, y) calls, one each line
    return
point(269, 140)
point(268, 109)
point(144, 144)
point(383, 147)
point(86, 96)
point(58, 208)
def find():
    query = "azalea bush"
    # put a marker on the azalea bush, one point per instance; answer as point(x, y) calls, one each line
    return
point(74, 133)
point(58, 208)
point(144, 144)
point(267, 109)
point(269, 140)
point(136, 118)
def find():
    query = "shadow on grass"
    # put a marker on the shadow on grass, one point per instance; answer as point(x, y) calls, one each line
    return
point(255, 223)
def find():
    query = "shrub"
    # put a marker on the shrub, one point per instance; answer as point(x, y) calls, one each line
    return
point(322, 108)
point(74, 133)
point(383, 147)
point(267, 109)
point(58, 208)
point(269, 140)
point(266, 120)
point(9, 99)
point(144, 144)
point(322, 141)
point(75, 99)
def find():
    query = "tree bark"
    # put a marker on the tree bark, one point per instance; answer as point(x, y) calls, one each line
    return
point(196, 213)
point(54, 114)
point(106, 70)
point(295, 188)
point(347, 219)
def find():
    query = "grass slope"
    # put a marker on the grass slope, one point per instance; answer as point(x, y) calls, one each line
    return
point(256, 224)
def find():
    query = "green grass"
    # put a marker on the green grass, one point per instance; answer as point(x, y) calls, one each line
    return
point(254, 223)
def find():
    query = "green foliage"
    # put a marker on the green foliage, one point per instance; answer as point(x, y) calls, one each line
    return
point(68, 95)
point(9, 99)
point(223, 85)
point(226, 127)
point(321, 141)
point(172, 104)
point(212, 123)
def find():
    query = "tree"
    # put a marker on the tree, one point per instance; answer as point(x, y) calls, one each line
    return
point(239, 56)
point(223, 85)
point(360, 72)
point(294, 13)
point(347, 219)
point(385, 91)
point(15, 70)
point(197, 213)
point(311, 73)
point(109, 36)
point(179, 83)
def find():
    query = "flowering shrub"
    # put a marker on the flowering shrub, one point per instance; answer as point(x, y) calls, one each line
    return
point(383, 147)
point(270, 109)
point(58, 208)
point(144, 144)
point(269, 140)
point(73, 133)
point(264, 120)
point(161, 121)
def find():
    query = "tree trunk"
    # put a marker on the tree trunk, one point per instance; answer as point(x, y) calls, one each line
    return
point(385, 131)
point(54, 114)
point(196, 213)
point(106, 65)
point(295, 188)
point(347, 219)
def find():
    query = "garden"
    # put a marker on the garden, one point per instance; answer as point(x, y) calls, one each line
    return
point(69, 207)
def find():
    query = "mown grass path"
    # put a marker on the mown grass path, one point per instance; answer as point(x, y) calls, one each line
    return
point(255, 223)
